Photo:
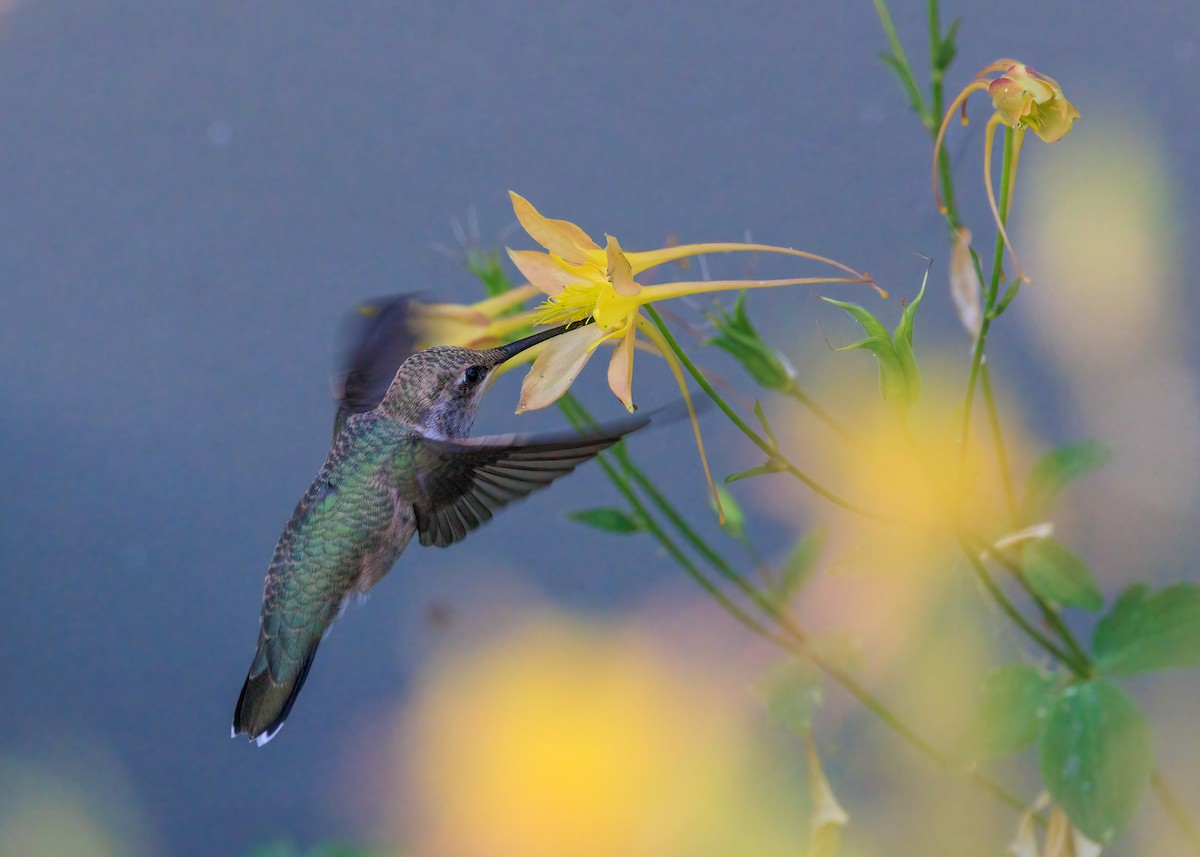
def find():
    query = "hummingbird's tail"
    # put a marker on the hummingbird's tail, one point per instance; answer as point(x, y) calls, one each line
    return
point(264, 703)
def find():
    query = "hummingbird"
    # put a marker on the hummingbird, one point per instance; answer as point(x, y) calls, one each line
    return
point(400, 465)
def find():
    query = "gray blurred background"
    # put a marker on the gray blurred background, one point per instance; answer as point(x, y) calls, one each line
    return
point(191, 195)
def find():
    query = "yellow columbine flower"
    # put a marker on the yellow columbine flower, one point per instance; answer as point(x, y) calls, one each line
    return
point(1024, 100)
point(582, 280)
point(479, 325)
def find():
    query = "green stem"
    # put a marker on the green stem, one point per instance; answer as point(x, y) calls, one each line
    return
point(936, 99)
point(1175, 809)
point(989, 399)
point(794, 392)
point(768, 448)
point(1011, 611)
point(573, 413)
point(1049, 614)
point(795, 640)
point(990, 300)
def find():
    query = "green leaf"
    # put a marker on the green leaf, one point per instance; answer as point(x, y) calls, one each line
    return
point(735, 518)
point(773, 465)
point(903, 339)
point(791, 691)
point(738, 337)
point(1056, 470)
point(1096, 757)
point(898, 378)
point(869, 323)
point(1058, 575)
point(1014, 288)
point(1143, 633)
point(901, 71)
point(948, 47)
point(799, 566)
point(612, 520)
point(486, 265)
point(1017, 700)
point(762, 419)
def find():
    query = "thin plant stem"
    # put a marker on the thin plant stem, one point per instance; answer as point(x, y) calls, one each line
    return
point(754, 436)
point(652, 527)
point(791, 390)
point(1006, 479)
point(1011, 611)
point(936, 97)
point(990, 302)
point(1176, 810)
point(795, 641)
point(1049, 614)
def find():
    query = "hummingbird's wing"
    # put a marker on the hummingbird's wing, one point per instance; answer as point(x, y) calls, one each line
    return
point(468, 481)
point(376, 337)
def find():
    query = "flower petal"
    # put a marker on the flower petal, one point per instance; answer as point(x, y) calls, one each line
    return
point(663, 292)
point(560, 237)
point(620, 274)
point(620, 369)
point(541, 270)
point(505, 301)
point(557, 367)
point(649, 258)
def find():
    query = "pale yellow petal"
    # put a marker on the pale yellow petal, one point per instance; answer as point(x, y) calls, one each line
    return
point(506, 301)
point(989, 135)
point(649, 294)
point(541, 270)
point(557, 367)
point(827, 816)
point(620, 369)
point(560, 237)
point(965, 288)
point(620, 274)
point(649, 258)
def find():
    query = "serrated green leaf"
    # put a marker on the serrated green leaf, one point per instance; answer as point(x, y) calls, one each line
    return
point(1144, 632)
point(771, 466)
point(1059, 575)
point(612, 520)
point(791, 691)
point(798, 566)
point(1017, 700)
point(1055, 470)
point(735, 517)
point(1096, 757)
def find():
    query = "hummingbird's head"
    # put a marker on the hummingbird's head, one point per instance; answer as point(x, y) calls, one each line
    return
point(437, 391)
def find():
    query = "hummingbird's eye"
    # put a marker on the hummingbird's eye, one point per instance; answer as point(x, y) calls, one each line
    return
point(474, 374)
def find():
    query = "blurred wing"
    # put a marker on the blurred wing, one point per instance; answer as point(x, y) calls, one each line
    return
point(466, 482)
point(376, 339)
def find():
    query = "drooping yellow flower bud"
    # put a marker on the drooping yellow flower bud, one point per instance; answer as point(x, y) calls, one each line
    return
point(1024, 98)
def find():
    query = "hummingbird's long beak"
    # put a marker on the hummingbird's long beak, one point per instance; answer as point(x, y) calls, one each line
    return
point(514, 348)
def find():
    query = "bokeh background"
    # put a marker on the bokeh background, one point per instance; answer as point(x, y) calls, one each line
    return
point(191, 196)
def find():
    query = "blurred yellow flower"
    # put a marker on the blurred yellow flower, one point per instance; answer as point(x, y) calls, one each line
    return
point(484, 324)
point(1024, 100)
point(581, 281)
point(564, 738)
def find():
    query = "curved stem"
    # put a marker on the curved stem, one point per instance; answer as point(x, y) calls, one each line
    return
point(1011, 611)
point(993, 289)
point(768, 448)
